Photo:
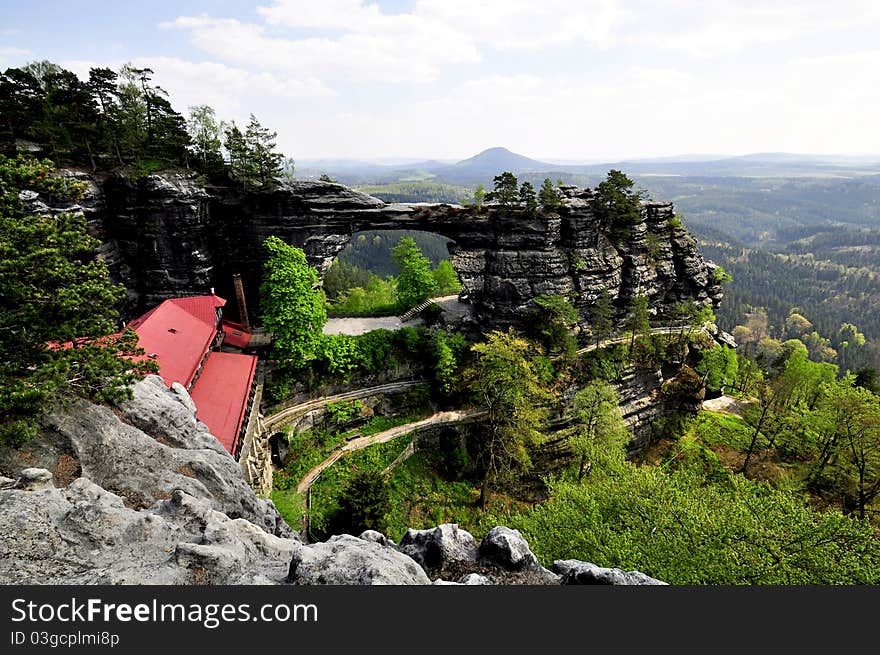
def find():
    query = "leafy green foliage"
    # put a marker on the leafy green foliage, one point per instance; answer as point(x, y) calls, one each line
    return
point(616, 205)
point(548, 195)
point(603, 317)
point(554, 321)
point(527, 198)
point(718, 366)
point(502, 380)
point(479, 197)
point(344, 410)
point(599, 431)
point(57, 307)
point(205, 131)
point(684, 527)
point(343, 276)
point(416, 281)
point(293, 305)
point(638, 321)
point(377, 298)
point(365, 503)
point(446, 278)
point(505, 190)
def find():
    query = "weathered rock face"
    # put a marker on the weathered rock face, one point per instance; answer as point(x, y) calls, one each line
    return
point(166, 235)
point(149, 497)
point(154, 447)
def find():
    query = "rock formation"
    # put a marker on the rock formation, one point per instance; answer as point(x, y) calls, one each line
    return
point(146, 495)
point(167, 235)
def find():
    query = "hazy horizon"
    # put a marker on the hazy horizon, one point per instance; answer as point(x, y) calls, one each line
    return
point(560, 81)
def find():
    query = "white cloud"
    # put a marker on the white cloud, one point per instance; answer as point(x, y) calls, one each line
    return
point(232, 92)
point(819, 105)
point(719, 27)
point(396, 55)
point(10, 55)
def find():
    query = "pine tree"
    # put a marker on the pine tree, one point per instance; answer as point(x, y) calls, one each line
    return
point(260, 145)
point(505, 191)
point(237, 156)
point(603, 317)
point(527, 198)
point(548, 195)
point(638, 322)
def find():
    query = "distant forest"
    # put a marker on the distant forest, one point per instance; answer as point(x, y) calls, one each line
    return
point(371, 250)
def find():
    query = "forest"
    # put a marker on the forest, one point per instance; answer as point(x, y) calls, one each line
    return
point(122, 121)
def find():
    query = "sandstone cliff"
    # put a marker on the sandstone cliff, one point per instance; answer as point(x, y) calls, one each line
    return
point(167, 235)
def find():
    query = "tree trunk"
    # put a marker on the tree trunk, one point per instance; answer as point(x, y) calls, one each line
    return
point(754, 441)
point(484, 492)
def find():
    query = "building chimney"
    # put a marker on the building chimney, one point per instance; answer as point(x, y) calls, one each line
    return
point(242, 306)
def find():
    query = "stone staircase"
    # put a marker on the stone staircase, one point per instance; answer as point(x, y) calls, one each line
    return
point(410, 314)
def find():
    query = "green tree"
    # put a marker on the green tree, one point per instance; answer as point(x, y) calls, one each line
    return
point(599, 433)
point(847, 419)
point(617, 206)
point(365, 503)
point(603, 317)
point(416, 281)
point(241, 167)
point(342, 277)
point(505, 191)
point(718, 365)
point(446, 278)
point(681, 526)
point(57, 306)
point(479, 197)
point(555, 318)
point(638, 321)
point(548, 195)
point(260, 145)
point(204, 130)
point(503, 381)
point(293, 305)
point(527, 198)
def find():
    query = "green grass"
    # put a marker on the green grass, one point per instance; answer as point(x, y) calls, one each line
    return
point(725, 429)
point(421, 498)
point(290, 505)
point(328, 489)
point(311, 447)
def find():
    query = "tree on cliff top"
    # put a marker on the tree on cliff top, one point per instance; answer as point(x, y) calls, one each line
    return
point(527, 198)
point(293, 305)
point(506, 189)
point(57, 307)
point(548, 195)
point(616, 205)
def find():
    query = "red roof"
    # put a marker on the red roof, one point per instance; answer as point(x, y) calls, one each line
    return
point(177, 334)
point(221, 393)
point(235, 335)
point(203, 308)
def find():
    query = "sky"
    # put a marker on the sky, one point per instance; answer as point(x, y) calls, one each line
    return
point(557, 80)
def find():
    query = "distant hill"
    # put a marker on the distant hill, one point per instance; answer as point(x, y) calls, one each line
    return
point(496, 160)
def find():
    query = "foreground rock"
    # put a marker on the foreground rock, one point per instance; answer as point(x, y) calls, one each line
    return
point(575, 572)
point(153, 447)
point(145, 495)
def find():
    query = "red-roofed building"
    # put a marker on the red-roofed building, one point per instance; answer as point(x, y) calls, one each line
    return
point(222, 395)
point(182, 335)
